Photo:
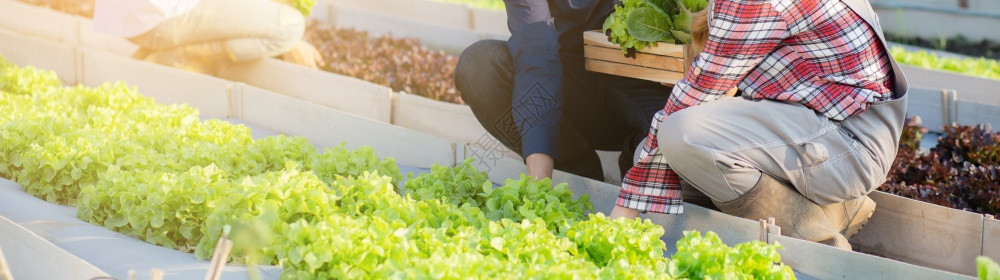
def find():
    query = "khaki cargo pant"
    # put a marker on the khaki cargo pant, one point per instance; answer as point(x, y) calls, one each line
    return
point(223, 31)
point(722, 147)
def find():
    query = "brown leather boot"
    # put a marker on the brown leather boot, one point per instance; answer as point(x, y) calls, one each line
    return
point(850, 216)
point(797, 216)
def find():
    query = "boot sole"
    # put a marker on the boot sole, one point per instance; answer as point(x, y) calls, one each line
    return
point(868, 208)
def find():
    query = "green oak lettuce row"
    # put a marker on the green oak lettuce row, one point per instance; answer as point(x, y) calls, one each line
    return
point(16, 80)
point(637, 24)
point(158, 173)
point(515, 199)
point(982, 67)
point(59, 139)
point(620, 249)
point(460, 185)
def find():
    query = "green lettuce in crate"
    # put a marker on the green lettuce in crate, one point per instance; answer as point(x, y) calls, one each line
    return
point(638, 24)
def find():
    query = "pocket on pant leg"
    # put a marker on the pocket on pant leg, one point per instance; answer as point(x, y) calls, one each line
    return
point(841, 177)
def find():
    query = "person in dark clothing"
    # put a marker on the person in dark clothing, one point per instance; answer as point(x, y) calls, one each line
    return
point(533, 93)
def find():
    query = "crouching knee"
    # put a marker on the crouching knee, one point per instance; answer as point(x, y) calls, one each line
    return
point(678, 141)
point(481, 67)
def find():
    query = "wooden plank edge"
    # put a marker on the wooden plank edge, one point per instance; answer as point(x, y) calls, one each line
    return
point(56, 25)
point(888, 234)
point(674, 64)
point(828, 262)
point(991, 237)
point(618, 69)
point(444, 119)
point(31, 253)
point(972, 88)
point(435, 36)
point(325, 127)
point(452, 15)
point(166, 84)
point(329, 89)
point(44, 53)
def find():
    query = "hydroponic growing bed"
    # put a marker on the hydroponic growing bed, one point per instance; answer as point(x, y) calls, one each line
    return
point(160, 174)
point(256, 106)
point(892, 232)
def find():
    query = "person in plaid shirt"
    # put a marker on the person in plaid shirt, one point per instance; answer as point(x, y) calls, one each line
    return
point(815, 130)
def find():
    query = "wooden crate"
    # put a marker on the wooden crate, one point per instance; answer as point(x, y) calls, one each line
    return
point(664, 63)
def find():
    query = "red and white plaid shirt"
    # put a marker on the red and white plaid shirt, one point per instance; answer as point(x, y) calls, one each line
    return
point(815, 52)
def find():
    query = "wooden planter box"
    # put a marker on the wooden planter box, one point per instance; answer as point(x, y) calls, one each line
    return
point(664, 63)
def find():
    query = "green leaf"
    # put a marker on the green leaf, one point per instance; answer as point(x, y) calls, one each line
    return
point(682, 37)
point(656, 6)
point(988, 269)
point(647, 24)
point(694, 6)
point(682, 23)
point(497, 243)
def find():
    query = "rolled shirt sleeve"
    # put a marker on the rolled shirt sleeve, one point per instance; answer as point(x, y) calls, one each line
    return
point(537, 98)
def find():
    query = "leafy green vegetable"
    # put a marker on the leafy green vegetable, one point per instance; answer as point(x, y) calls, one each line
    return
point(517, 200)
point(459, 185)
point(603, 241)
point(160, 174)
point(637, 24)
point(648, 24)
point(694, 6)
point(25, 80)
point(982, 67)
point(528, 198)
point(988, 269)
point(706, 257)
point(339, 161)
